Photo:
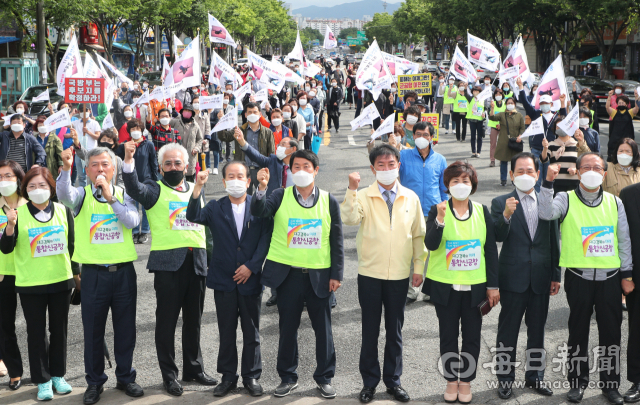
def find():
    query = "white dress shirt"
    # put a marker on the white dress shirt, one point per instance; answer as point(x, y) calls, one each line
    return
point(238, 216)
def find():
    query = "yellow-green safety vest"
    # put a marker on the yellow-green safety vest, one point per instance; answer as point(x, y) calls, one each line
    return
point(168, 221)
point(447, 99)
point(7, 266)
point(301, 235)
point(475, 110)
point(41, 254)
point(100, 236)
point(460, 257)
point(508, 95)
point(589, 237)
point(496, 110)
point(460, 104)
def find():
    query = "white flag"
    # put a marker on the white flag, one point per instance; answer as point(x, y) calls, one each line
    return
point(158, 94)
point(176, 43)
point(220, 73)
point(143, 99)
point(570, 123)
point(228, 121)
point(218, 33)
point(483, 53)
point(186, 69)
point(70, 65)
point(485, 94)
point(115, 71)
point(330, 40)
point(535, 128)
point(58, 120)
point(7, 119)
point(91, 69)
point(517, 56)
point(166, 69)
point(385, 128)
point(262, 95)
point(44, 96)
point(246, 89)
point(366, 117)
point(400, 66)
point(373, 70)
point(211, 102)
point(552, 84)
point(108, 122)
point(298, 52)
point(288, 74)
point(509, 73)
point(462, 68)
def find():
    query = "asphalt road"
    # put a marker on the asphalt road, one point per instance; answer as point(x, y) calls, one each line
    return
point(343, 153)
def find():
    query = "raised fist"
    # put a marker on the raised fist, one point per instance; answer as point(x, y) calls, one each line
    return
point(354, 181)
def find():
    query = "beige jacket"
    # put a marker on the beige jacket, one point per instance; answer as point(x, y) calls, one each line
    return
point(617, 179)
point(191, 139)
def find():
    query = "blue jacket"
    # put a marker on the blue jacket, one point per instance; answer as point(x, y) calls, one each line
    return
point(34, 152)
point(285, 131)
point(424, 177)
point(272, 163)
point(535, 142)
point(230, 252)
point(592, 139)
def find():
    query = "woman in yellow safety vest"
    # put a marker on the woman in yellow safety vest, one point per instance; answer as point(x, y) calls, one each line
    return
point(462, 274)
point(500, 106)
point(460, 106)
point(40, 236)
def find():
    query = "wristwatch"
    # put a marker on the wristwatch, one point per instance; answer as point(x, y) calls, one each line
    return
point(629, 279)
point(113, 200)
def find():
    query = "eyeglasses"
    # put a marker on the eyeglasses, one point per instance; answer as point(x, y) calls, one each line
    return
point(42, 186)
point(8, 177)
point(178, 164)
point(589, 168)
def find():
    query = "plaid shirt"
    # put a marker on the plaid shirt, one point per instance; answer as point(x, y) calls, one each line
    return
point(161, 136)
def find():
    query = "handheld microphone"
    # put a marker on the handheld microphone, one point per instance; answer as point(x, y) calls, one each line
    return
point(99, 188)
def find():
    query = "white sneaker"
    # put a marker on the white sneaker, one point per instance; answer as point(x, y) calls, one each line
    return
point(446, 132)
point(215, 171)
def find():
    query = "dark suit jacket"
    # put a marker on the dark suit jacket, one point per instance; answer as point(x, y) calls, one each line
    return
point(524, 262)
point(439, 292)
point(34, 152)
point(272, 163)
point(334, 95)
point(147, 194)
point(230, 252)
point(535, 142)
point(275, 273)
point(630, 196)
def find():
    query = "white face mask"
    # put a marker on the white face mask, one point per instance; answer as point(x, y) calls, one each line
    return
point(618, 91)
point(307, 88)
point(545, 108)
point(135, 86)
point(583, 122)
point(450, 82)
point(286, 115)
point(135, 100)
point(511, 107)
point(128, 114)
point(393, 90)
point(165, 121)
point(39, 196)
point(276, 122)
point(398, 140)
point(422, 142)
point(281, 152)
point(42, 129)
point(412, 119)
point(196, 106)
point(7, 188)
point(524, 182)
point(591, 179)
point(16, 127)
point(333, 84)
point(386, 177)
point(302, 178)
point(136, 134)
point(20, 110)
point(253, 118)
point(487, 82)
point(623, 159)
point(303, 101)
point(460, 191)
point(441, 80)
point(236, 188)
point(228, 91)
point(225, 101)
point(498, 98)
point(312, 94)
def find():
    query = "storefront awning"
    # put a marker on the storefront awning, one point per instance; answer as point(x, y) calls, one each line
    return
point(597, 60)
point(125, 47)
point(4, 40)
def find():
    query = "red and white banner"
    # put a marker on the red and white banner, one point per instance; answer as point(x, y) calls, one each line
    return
point(330, 40)
point(218, 33)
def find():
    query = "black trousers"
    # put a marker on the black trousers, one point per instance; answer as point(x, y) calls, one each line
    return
point(179, 290)
point(582, 296)
point(633, 350)
point(229, 307)
point(459, 314)
point(101, 291)
point(333, 118)
point(294, 291)
point(477, 133)
point(307, 140)
point(460, 120)
point(373, 294)
point(320, 122)
point(8, 340)
point(534, 308)
point(47, 355)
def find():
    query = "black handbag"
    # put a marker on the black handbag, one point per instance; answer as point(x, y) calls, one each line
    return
point(513, 144)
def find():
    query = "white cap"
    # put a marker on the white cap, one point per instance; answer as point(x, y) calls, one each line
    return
point(546, 99)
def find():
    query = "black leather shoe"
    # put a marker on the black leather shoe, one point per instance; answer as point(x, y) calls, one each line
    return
point(201, 378)
point(15, 385)
point(399, 394)
point(254, 388)
point(143, 238)
point(273, 300)
point(505, 392)
point(613, 396)
point(223, 388)
point(92, 394)
point(173, 387)
point(540, 387)
point(327, 391)
point(631, 396)
point(285, 389)
point(132, 389)
point(575, 394)
point(366, 395)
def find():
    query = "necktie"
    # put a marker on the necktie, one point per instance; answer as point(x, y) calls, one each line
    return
point(387, 194)
point(284, 175)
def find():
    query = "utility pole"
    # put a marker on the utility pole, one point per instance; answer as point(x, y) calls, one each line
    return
point(157, 45)
point(42, 28)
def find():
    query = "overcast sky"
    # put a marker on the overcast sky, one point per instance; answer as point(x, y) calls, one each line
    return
point(324, 3)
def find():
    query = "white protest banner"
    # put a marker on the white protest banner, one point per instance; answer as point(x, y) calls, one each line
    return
point(262, 95)
point(373, 69)
point(70, 65)
point(211, 102)
point(311, 69)
point(552, 84)
point(166, 68)
point(400, 66)
point(7, 119)
point(246, 89)
point(115, 71)
point(186, 69)
point(508, 73)
point(58, 120)
point(366, 117)
point(108, 122)
point(91, 69)
point(218, 33)
point(385, 128)
point(158, 94)
point(298, 52)
point(287, 73)
point(462, 68)
point(228, 121)
point(176, 44)
point(330, 40)
point(220, 73)
point(570, 123)
point(518, 57)
point(143, 99)
point(483, 53)
point(485, 94)
point(44, 96)
point(173, 88)
point(276, 82)
point(535, 128)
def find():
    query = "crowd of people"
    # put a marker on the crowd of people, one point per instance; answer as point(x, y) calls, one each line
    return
point(419, 232)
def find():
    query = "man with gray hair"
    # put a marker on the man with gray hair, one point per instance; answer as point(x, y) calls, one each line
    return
point(104, 216)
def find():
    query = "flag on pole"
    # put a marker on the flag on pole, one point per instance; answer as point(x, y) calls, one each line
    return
point(400, 66)
point(570, 123)
point(228, 121)
point(176, 43)
point(462, 68)
point(220, 73)
point(186, 69)
point(483, 53)
point(330, 40)
point(143, 99)
point(115, 71)
point(518, 57)
point(552, 84)
point(366, 117)
point(71, 64)
point(218, 33)
point(535, 128)
point(58, 120)
point(211, 102)
point(44, 96)
point(166, 68)
point(373, 72)
point(385, 128)
point(159, 94)
point(108, 122)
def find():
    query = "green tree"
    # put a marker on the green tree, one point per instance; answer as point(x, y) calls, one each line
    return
point(349, 32)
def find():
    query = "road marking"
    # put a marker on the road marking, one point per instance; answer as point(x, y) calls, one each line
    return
point(352, 142)
point(327, 134)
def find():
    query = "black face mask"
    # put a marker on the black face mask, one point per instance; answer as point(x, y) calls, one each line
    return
point(106, 145)
point(124, 89)
point(173, 177)
point(622, 108)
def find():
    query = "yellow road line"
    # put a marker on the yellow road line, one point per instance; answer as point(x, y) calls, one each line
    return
point(327, 134)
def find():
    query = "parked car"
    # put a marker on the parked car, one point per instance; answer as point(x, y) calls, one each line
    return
point(598, 87)
point(421, 58)
point(242, 61)
point(40, 107)
point(430, 66)
point(154, 78)
point(443, 64)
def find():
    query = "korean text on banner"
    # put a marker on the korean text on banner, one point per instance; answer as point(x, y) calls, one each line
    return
point(58, 120)
point(211, 102)
point(228, 121)
point(44, 96)
point(483, 53)
point(535, 128)
point(420, 83)
point(80, 90)
point(570, 123)
point(434, 119)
